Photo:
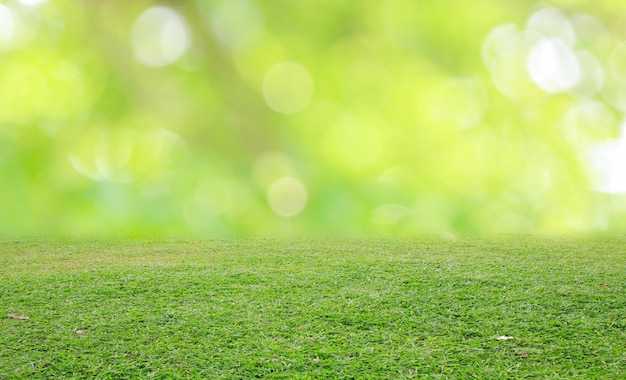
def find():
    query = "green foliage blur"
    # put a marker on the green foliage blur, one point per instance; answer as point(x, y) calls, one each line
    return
point(247, 117)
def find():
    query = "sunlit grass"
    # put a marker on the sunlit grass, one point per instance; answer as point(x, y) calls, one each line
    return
point(335, 308)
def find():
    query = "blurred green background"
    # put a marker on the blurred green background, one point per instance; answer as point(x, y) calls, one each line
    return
point(245, 117)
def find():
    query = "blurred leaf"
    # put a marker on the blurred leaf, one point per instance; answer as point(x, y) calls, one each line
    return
point(17, 316)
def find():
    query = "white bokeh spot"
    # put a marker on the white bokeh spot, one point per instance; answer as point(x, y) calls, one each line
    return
point(287, 196)
point(287, 87)
point(160, 36)
point(553, 66)
point(608, 165)
point(32, 3)
point(7, 25)
point(552, 23)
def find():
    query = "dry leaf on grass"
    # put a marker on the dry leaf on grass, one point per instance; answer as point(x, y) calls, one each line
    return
point(78, 331)
point(17, 316)
point(603, 285)
point(521, 353)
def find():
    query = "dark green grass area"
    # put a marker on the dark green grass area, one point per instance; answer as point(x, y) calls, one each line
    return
point(312, 309)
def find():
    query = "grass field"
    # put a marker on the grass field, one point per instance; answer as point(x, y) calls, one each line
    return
point(314, 309)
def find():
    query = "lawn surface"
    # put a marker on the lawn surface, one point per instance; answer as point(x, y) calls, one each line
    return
point(314, 309)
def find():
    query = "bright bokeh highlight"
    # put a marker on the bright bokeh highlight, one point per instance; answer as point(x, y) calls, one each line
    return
point(553, 65)
point(287, 196)
point(287, 87)
point(160, 37)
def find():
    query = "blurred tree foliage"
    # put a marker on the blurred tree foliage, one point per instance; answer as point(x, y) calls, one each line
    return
point(257, 117)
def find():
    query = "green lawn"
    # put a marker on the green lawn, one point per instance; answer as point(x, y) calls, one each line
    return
point(314, 309)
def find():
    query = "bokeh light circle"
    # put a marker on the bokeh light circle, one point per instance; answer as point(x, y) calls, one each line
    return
point(288, 87)
point(608, 161)
point(287, 196)
point(553, 66)
point(160, 36)
point(7, 25)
